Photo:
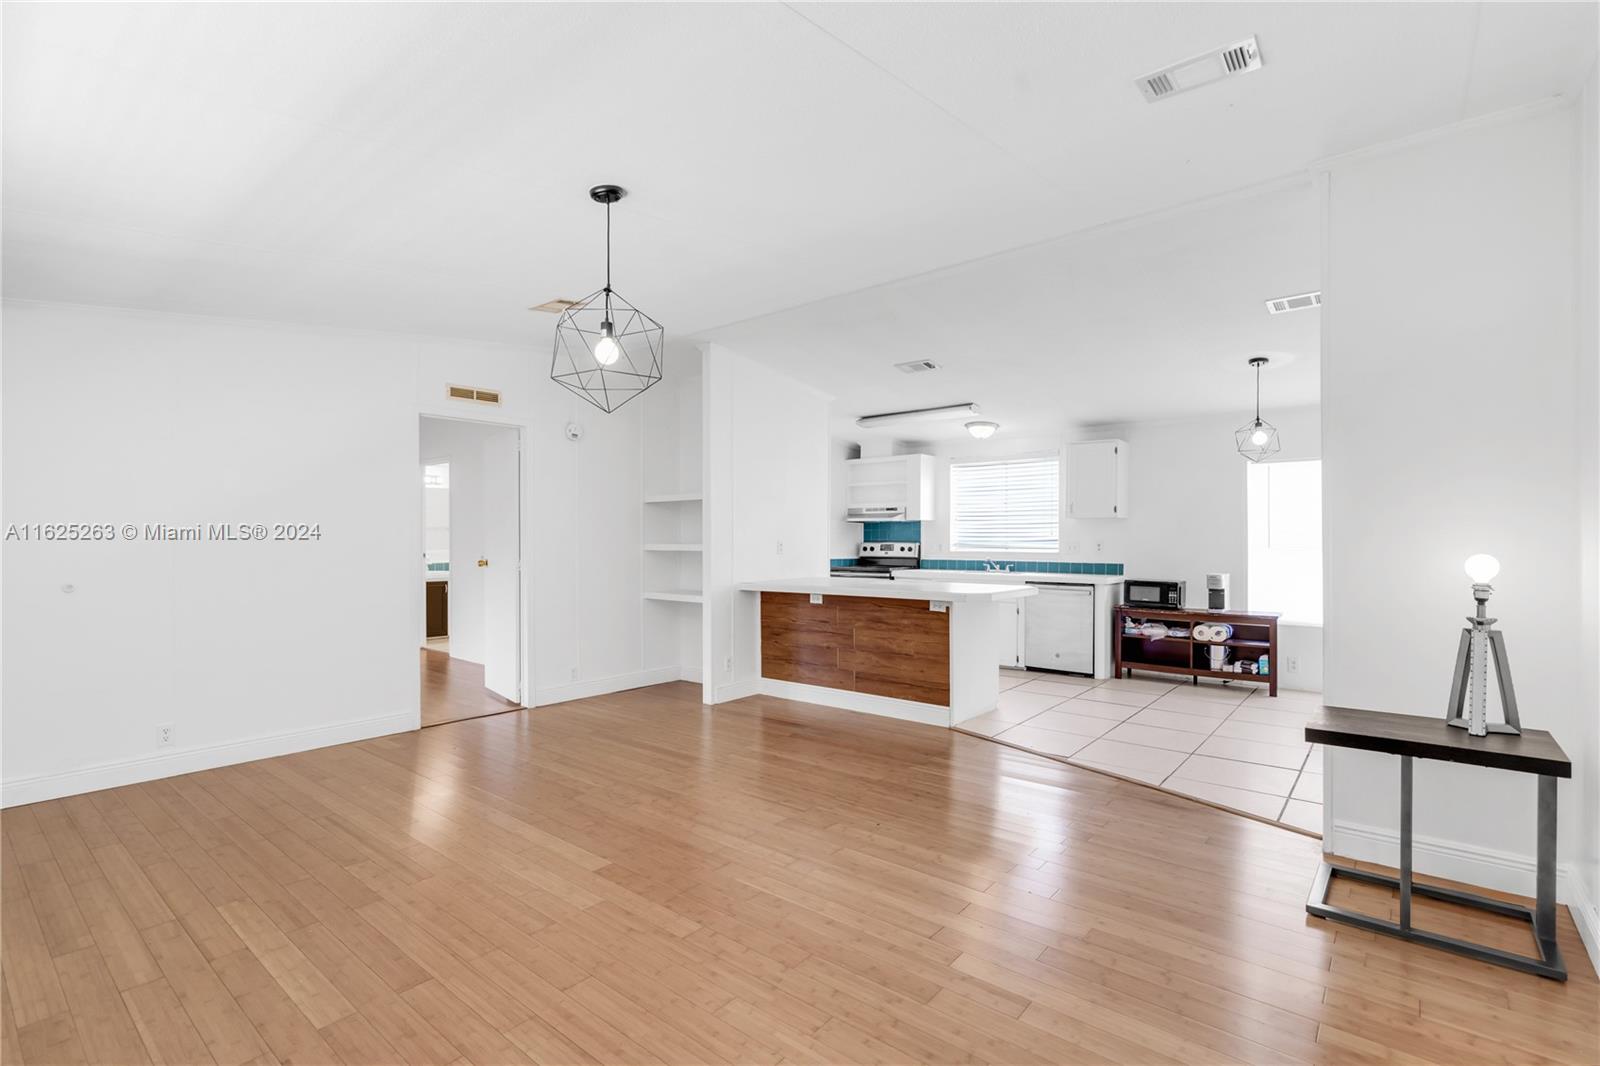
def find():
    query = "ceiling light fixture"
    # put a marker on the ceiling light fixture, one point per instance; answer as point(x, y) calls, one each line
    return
point(982, 430)
point(920, 414)
point(607, 350)
point(1257, 440)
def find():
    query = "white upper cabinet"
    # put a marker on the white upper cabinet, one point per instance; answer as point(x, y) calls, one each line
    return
point(890, 489)
point(1097, 479)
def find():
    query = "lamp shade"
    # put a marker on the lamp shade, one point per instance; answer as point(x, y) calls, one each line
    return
point(608, 352)
point(1257, 440)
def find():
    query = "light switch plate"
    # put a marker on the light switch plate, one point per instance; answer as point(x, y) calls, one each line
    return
point(816, 597)
point(941, 606)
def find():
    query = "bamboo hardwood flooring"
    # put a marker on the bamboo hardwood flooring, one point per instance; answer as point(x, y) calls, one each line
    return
point(452, 690)
point(638, 879)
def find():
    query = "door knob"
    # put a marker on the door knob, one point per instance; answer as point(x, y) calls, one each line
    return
point(483, 562)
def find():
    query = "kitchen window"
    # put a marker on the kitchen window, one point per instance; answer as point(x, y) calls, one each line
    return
point(1006, 505)
point(1284, 521)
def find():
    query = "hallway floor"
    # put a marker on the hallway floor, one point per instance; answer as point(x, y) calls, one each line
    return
point(1231, 745)
point(452, 690)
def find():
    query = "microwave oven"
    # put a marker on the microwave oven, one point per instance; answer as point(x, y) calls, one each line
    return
point(1152, 593)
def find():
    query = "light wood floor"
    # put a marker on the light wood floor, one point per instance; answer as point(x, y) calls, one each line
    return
point(637, 879)
point(452, 690)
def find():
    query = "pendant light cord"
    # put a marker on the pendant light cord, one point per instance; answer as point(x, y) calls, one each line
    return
point(1258, 365)
point(608, 281)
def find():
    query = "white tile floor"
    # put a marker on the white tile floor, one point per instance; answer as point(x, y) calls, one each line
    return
point(1232, 745)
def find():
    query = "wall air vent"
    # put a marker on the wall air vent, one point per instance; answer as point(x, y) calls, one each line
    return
point(1282, 305)
point(554, 307)
point(917, 366)
point(464, 392)
point(1200, 70)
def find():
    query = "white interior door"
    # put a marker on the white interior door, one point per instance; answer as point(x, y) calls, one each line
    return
point(502, 577)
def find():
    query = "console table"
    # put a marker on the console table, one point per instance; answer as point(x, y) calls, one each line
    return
point(1412, 737)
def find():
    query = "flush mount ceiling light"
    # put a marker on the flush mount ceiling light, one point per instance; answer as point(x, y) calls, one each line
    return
point(1257, 440)
point(607, 350)
point(920, 414)
point(982, 430)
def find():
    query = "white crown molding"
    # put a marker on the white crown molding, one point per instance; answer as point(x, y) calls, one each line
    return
point(1411, 140)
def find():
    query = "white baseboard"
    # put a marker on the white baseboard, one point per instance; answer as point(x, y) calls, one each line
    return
point(190, 760)
point(602, 686)
point(735, 690)
point(864, 702)
point(1503, 871)
point(1585, 914)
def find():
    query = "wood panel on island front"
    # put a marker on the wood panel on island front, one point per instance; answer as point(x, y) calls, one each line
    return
point(885, 647)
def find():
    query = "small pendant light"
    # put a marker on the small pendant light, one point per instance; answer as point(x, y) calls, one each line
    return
point(1257, 440)
point(607, 350)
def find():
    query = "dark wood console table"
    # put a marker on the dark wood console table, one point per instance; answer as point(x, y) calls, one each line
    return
point(1254, 635)
point(1413, 737)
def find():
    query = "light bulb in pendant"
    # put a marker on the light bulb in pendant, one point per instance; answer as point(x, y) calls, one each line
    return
point(1259, 437)
point(606, 349)
point(1482, 568)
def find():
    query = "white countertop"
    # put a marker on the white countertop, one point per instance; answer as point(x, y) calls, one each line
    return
point(954, 591)
point(1008, 577)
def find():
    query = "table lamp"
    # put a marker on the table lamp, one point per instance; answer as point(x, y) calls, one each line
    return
point(1469, 691)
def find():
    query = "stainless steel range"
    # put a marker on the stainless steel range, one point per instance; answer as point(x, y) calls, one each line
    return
point(880, 559)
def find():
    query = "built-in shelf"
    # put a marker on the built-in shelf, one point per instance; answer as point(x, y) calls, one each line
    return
point(672, 547)
point(676, 596)
point(674, 497)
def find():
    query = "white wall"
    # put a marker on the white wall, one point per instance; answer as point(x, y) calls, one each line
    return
point(1449, 427)
point(256, 649)
point(768, 499)
point(1186, 508)
point(1586, 854)
point(461, 444)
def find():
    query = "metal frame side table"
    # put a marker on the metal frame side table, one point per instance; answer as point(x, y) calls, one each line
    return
point(1413, 737)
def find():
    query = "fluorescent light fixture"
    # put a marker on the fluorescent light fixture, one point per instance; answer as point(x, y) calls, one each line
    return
point(982, 430)
point(921, 414)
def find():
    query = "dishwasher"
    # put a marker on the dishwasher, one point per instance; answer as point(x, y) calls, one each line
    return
point(1058, 628)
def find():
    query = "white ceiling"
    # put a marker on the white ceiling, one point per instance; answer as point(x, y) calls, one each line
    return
point(424, 167)
point(1147, 320)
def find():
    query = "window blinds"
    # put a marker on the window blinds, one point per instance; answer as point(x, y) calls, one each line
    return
point(1006, 505)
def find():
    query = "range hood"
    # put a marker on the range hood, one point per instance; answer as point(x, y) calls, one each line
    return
point(874, 514)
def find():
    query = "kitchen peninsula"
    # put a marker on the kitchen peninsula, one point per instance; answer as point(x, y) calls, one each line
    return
point(923, 651)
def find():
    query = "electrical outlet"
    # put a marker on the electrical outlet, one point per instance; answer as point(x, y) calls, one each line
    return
point(780, 547)
point(1097, 547)
point(727, 665)
point(573, 675)
point(1294, 664)
point(167, 734)
point(1074, 548)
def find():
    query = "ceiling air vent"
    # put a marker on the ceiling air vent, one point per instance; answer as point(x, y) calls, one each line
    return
point(554, 307)
point(463, 392)
point(1201, 70)
point(1282, 305)
point(917, 366)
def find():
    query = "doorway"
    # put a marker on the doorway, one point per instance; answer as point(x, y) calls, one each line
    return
point(471, 621)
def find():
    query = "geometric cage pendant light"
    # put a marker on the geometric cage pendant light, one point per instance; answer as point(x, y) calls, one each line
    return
point(1256, 439)
point(607, 350)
